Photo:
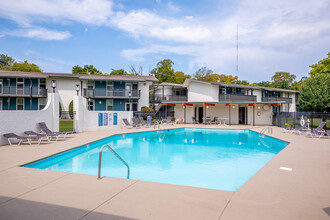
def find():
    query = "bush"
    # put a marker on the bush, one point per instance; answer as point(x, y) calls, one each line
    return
point(71, 109)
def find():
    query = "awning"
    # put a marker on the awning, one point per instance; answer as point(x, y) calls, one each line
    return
point(169, 104)
point(208, 104)
point(252, 104)
point(187, 104)
point(276, 104)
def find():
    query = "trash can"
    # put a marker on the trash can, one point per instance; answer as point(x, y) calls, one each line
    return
point(149, 120)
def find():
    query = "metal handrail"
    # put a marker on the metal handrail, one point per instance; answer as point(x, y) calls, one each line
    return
point(119, 157)
point(269, 129)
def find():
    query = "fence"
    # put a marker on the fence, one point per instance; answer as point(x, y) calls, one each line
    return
point(294, 119)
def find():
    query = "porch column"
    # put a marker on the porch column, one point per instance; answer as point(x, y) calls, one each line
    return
point(253, 115)
point(184, 114)
point(229, 114)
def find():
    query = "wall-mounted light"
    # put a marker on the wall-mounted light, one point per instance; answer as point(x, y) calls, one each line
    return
point(53, 85)
point(207, 106)
point(100, 102)
point(77, 89)
point(259, 107)
point(89, 99)
point(234, 106)
point(184, 107)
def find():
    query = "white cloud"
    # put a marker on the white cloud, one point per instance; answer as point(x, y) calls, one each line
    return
point(149, 25)
point(40, 33)
point(25, 12)
point(173, 8)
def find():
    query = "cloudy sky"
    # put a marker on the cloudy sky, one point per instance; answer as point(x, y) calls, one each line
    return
point(274, 35)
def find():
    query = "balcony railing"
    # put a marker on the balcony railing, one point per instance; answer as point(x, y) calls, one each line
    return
point(167, 98)
point(237, 98)
point(22, 91)
point(277, 99)
point(114, 93)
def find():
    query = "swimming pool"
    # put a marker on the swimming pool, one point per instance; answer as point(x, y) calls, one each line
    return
point(221, 159)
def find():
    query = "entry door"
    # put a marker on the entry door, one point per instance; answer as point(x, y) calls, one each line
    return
point(200, 114)
point(242, 115)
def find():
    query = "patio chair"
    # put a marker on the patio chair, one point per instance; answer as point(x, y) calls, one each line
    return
point(21, 139)
point(302, 129)
point(127, 124)
point(46, 130)
point(194, 120)
point(169, 121)
point(208, 120)
point(324, 134)
point(143, 123)
point(287, 129)
point(317, 131)
point(48, 136)
point(135, 123)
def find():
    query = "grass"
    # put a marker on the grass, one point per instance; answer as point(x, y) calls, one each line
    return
point(313, 124)
point(66, 125)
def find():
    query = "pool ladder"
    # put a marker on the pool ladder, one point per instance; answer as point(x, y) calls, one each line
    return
point(267, 129)
point(114, 152)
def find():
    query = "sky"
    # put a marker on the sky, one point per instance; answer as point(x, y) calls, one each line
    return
point(273, 35)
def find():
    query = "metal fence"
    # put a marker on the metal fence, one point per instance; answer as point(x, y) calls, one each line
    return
point(295, 119)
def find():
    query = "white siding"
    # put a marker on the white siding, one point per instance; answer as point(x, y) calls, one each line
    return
point(201, 92)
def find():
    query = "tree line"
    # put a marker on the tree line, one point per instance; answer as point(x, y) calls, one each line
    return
point(314, 89)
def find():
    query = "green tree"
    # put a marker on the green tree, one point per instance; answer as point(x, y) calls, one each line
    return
point(5, 61)
point(296, 85)
point(315, 93)
point(179, 77)
point(323, 66)
point(164, 71)
point(86, 69)
point(264, 84)
point(206, 74)
point(241, 82)
point(24, 66)
point(282, 80)
point(118, 72)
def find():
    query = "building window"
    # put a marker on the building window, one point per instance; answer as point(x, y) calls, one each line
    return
point(19, 86)
point(109, 88)
point(109, 104)
point(90, 104)
point(42, 103)
point(42, 83)
point(1, 104)
point(19, 104)
point(0, 86)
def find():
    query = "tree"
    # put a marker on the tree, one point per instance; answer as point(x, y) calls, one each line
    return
point(164, 71)
point(86, 69)
point(323, 66)
point(265, 84)
point(241, 82)
point(282, 80)
point(315, 93)
point(5, 61)
point(296, 85)
point(23, 66)
point(179, 77)
point(133, 71)
point(119, 72)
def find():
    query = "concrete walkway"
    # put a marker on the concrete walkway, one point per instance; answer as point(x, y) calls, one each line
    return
point(272, 193)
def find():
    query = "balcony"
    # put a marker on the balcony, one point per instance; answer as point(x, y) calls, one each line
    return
point(167, 98)
point(14, 91)
point(277, 99)
point(115, 93)
point(237, 98)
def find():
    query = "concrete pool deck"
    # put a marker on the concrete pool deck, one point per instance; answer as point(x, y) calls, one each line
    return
point(272, 193)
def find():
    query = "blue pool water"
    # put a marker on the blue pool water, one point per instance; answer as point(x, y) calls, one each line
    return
point(210, 158)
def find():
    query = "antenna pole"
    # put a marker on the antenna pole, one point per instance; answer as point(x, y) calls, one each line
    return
point(237, 52)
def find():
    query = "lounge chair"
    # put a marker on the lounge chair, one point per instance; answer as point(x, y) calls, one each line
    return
point(127, 124)
point(194, 120)
point(143, 123)
point(21, 139)
point(135, 123)
point(302, 129)
point(287, 129)
point(317, 131)
point(46, 130)
point(48, 136)
point(324, 134)
point(169, 121)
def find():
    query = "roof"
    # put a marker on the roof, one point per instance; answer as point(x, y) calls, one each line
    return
point(78, 76)
point(167, 84)
point(187, 81)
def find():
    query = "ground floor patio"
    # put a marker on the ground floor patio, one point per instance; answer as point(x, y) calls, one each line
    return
point(272, 193)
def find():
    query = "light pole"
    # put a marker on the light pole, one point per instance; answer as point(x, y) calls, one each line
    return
point(129, 99)
point(53, 85)
point(77, 89)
